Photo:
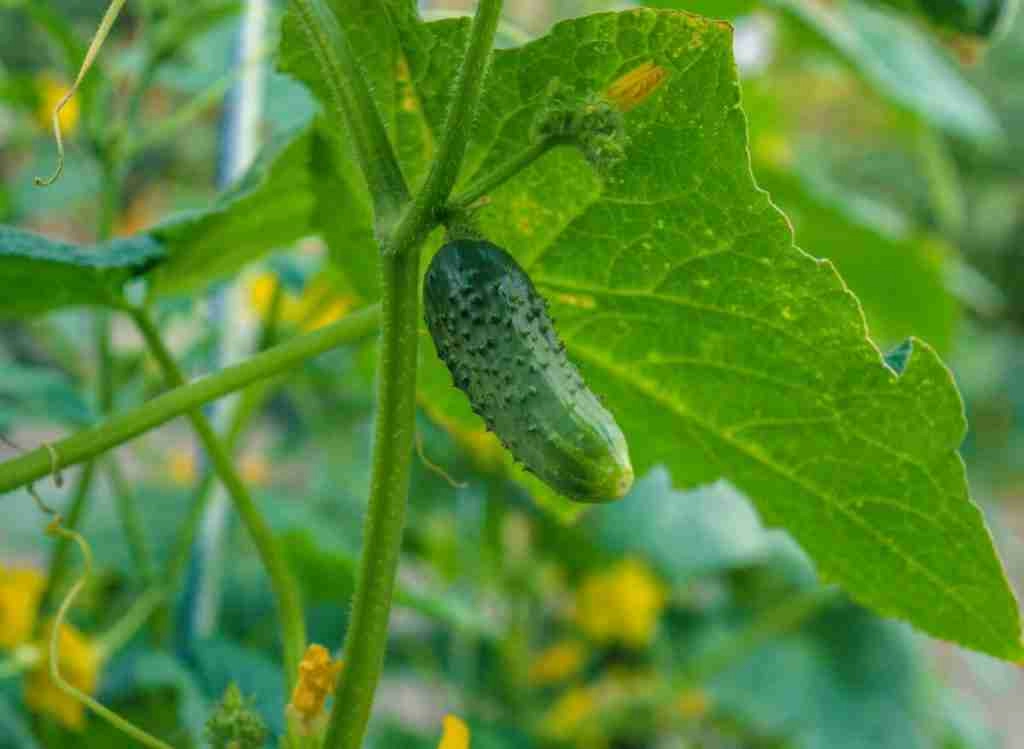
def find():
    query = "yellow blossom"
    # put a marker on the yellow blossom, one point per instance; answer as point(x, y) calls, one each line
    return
point(20, 591)
point(181, 467)
point(636, 86)
point(79, 666)
point(570, 716)
point(558, 662)
point(254, 469)
point(318, 673)
point(317, 306)
point(455, 734)
point(261, 292)
point(620, 605)
point(51, 91)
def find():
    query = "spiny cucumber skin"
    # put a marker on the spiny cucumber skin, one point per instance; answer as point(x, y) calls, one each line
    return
point(492, 329)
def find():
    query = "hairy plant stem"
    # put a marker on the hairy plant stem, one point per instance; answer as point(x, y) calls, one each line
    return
point(286, 591)
point(366, 639)
point(424, 212)
point(119, 429)
point(354, 105)
point(395, 427)
point(487, 183)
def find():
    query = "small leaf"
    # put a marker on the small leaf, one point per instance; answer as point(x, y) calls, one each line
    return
point(39, 275)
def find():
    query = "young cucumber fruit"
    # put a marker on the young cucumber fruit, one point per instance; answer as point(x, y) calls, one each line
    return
point(492, 329)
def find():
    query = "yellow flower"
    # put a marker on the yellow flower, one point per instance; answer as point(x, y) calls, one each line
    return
point(454, 734)
point(620, 605)
point(261, 292)
point(181, 467)
point(20, 591)
point(571, 714)
point(254, 469)
point(319, 304)
point(51, 91)
point(636, 86)
point(318, 673)
point(79, 665)
point(558, 663)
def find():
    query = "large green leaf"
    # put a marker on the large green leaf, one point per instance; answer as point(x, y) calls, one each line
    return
point(38, 275)
point(725, 351)
point(899, 279)
point(901, 62)
point(270, 207)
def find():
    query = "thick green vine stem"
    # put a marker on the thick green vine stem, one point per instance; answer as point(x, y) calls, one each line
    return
point(119, 429)
point(394, 430)
point(427, 208)
point(286, 591)
point(354, 105)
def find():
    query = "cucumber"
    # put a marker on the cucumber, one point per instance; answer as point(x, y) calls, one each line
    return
point(492, 330)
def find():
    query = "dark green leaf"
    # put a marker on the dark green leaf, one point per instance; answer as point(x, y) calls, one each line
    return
point(39, 274)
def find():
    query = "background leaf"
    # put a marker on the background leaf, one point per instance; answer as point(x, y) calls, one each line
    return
point(39, 274)
point(271, 207)
point(901, 62)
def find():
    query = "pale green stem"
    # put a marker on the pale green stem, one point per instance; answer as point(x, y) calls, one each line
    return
point(119, 429)
point(286, 591)
point(487, 183)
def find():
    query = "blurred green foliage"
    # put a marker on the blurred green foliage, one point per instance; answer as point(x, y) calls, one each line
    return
point(891, 159)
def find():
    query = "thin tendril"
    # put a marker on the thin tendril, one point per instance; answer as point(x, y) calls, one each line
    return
point(113, 10)
point(138, 612)
point(434, 466)
point(110, 716)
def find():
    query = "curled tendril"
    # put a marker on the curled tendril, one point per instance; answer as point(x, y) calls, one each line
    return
point(113, 10)
point(432, 466)
point(55, 528)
